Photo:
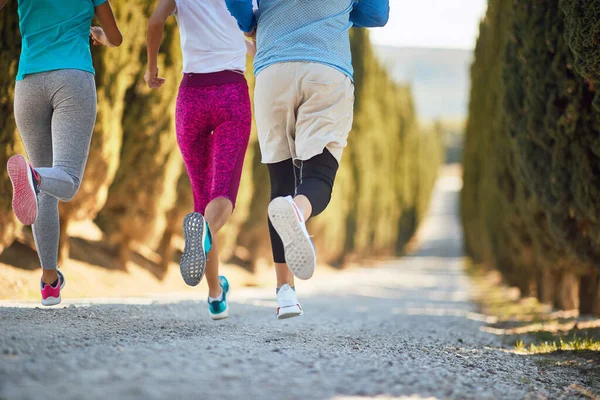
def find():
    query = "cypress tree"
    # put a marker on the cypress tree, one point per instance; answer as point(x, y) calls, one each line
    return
point(145, 184)
point(116, 71)
point(582, 32)
point(10, 48)
point(530, 196)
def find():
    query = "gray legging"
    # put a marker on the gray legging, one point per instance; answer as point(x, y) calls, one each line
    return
point(55, 113)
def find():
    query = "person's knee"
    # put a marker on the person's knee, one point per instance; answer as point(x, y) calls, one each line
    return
point(318, 192)
point(74, 190)
point(218, 212)
point(318, 177)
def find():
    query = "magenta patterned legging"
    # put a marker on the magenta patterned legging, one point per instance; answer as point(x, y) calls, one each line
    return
point(214, 120)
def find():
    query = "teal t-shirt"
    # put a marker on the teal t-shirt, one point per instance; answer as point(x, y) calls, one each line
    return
point(56, 35)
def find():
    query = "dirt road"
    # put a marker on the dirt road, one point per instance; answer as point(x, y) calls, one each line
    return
point(403, 330)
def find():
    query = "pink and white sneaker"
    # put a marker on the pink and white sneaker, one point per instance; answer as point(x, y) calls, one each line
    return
point(24, 181)
point(51, 294)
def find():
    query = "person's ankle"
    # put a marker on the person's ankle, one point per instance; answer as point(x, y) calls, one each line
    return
point(280, 284)
point(49, 276)
point(216, 293)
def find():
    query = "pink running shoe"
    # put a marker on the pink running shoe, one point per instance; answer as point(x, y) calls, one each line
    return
point(24, 182)
point(51, 294)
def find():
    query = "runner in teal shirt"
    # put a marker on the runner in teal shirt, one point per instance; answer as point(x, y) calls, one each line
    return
point(56, 35)
point(55, 112)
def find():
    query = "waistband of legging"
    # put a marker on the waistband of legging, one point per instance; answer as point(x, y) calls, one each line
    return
point(212, 79)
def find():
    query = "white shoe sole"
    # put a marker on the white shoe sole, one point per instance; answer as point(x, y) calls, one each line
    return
point(300, 254)
point(223, 315)
point(51, 301)
point(193, 259)
point(289, 312)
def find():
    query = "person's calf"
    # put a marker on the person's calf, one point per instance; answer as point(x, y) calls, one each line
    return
point(217, 213)
point(284, 275)
point(212, 271)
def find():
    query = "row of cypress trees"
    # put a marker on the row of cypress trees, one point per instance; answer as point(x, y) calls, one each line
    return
point(531, 196)
point(137, 192)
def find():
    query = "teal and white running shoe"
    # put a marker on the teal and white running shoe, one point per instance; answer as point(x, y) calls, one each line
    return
point(198, 241)
point(218, 308)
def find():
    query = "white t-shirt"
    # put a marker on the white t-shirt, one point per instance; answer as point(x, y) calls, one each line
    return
point(210, 38)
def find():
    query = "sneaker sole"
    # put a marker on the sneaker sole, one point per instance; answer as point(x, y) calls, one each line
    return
point(217, 317)
point(299, 252)
point(289, 312)
point(24, 201)
point(193, 259)
point(51, 301)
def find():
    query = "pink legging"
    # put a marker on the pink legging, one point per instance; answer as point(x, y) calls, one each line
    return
point(213, 120)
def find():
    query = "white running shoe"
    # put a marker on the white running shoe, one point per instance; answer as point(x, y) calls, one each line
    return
point(287, 303)
point(289, 223)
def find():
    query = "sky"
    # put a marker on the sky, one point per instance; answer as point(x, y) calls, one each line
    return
point(432, 23)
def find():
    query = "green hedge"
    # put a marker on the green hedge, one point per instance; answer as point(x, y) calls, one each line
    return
point(145, 185)
point(10, 49)
point(531, 194)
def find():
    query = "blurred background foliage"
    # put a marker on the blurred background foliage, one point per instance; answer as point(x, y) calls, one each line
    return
point(136, 191)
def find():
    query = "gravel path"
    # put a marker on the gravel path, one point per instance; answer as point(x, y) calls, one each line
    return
point(403, 330)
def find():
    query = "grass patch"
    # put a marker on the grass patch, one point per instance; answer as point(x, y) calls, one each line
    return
point(573, 344)
point(529, 326)
point(560, 343)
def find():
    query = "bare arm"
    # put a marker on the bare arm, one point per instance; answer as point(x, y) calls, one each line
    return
point(154, 36)
point(2, 4)
point(109, 35)
point(251, 48)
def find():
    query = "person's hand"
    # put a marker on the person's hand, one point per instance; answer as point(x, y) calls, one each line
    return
point(152, 79)
point(99, 37)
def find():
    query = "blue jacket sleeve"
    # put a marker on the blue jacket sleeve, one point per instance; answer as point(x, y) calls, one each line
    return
point(370, 13)
point(242, 11)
